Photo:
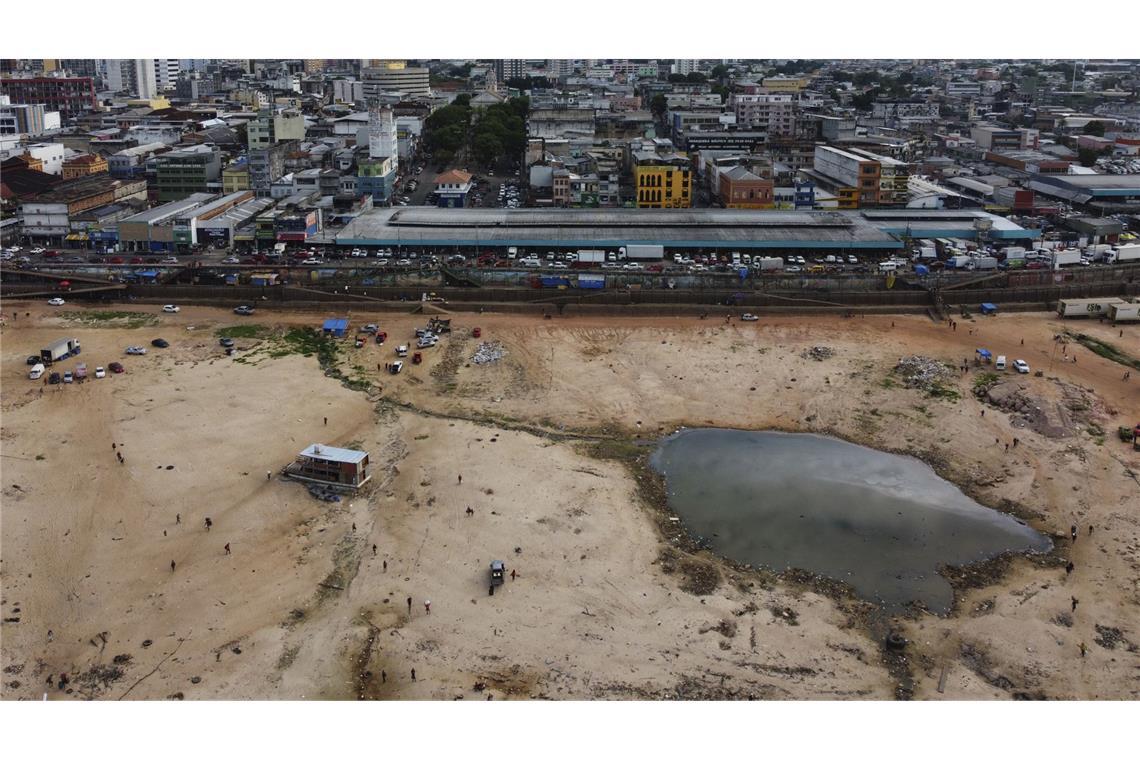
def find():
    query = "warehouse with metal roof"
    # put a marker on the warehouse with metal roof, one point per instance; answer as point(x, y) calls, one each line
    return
point(610, 228)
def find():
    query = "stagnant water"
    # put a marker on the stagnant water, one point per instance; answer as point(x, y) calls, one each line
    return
point(881, 522)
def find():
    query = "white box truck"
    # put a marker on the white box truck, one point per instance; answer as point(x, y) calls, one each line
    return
point(770, 263)
point(983, 263)
point(1123, 253)
point(1120, 312)
point(645, 252)
point(1066, 258)
point(958, 262)
point(591, 257)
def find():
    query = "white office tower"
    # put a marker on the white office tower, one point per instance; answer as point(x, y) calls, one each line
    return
point(111, 72)
point(382, 143)
point(144, 78)
point(166, 72)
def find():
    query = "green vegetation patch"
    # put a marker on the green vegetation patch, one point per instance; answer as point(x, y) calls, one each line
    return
point(1107, 350)
point(122, 319)
point(242, 331)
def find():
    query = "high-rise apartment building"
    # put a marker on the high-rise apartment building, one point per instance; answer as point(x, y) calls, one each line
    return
point(70, 96)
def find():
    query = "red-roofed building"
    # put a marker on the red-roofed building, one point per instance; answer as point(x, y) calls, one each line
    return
point(451, 189)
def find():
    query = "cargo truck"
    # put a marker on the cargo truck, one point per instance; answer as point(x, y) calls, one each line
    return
point(60, 350)
point(769, 263)
point(1065, 258)
point(590, 258)
point(983, 263)
point(1086, 307)
point(958, 262)
point(1124, 312)
point(1123, 253)
point(645, 252)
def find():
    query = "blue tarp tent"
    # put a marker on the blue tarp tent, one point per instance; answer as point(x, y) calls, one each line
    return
point(984, 353)
point(336, 327)
point(989, 308)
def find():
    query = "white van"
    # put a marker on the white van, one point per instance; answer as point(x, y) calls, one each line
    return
point(888, 266)
point(36, 372)
point(1000, 364)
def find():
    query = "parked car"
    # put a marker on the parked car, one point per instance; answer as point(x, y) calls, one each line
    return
point(68, 377)
point(159, 343)
point(135, 350)
point(171, 309)
point(1021, 366)
point(227, 342)
point(32, 361)
point(243, 310)
point(56, 302)
point(55, 378)
point(116, 368)
point(750, 318)
point(100, 372)
point(170, 260)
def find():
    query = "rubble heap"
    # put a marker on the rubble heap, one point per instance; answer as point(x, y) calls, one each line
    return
point(923, 372)
point(488, 352)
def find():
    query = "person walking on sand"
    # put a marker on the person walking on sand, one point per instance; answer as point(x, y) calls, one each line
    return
point(1090, 530)
point(209, 524)
point(1069, 568)
point(172, 566)
point(383, 676)
point(461, 479)
point(326, 420)
point(427, 606)
point(1084, 649)
point(373, 550)
point(512, 575)
point(385, 565)
point(409, 605)
point(1075, 603)
point(50, 635)
point(177, 518)
point(413, 674)
point(227, 549)
point(354, 527)
point(1073, 533)
point(269, 475)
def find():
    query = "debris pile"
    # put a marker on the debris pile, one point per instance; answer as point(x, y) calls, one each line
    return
point(488, 352)
point(819, 353)
point(323, 493)
point(923, 372)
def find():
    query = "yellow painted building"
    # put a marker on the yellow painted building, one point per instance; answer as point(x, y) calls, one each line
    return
point(663, 186)
point(785, 84)
point(235, 179)
point(82, 166)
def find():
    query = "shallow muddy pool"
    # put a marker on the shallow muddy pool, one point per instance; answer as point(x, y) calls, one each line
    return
point(881, 522)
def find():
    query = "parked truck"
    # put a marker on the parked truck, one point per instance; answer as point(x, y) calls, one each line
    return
point(769, 263)
point(645, 252)
point(590, 258)
point(1123, 253)
point(1124, 312)
point(1065, 258)
point(958, 262)
point(983, 263)
point(59, 350)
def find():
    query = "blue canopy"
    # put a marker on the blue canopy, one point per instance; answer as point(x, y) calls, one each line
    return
point(984, 353)
point(988, 308)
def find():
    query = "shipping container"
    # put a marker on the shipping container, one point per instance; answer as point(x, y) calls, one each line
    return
point(1124, 312)
point(1086, 307)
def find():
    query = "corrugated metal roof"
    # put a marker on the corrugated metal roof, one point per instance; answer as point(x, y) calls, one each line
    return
point(333, 454)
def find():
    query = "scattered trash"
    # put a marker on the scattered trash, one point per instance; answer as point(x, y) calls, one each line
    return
point(819, 353)
point(923, 372)
point(488, 352)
